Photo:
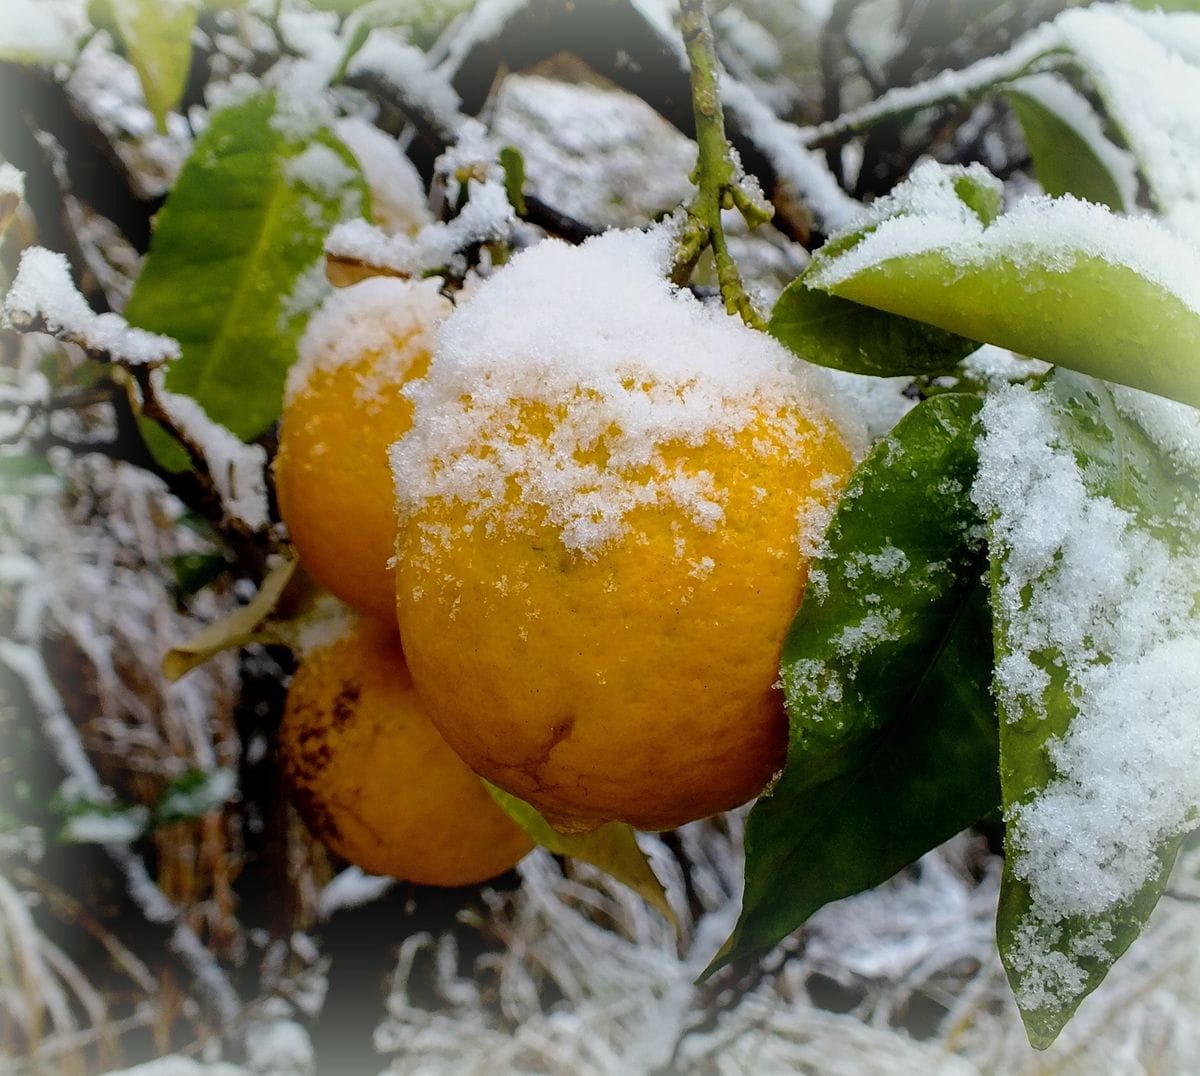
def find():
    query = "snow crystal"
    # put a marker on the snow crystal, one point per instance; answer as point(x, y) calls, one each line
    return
point(238, 470)
point(279, 1048)
point(44, 294)
point(487, 216)
point(352, 888)
point(472, 160)
point(12, 181)
point(1038, 232)
point(398, 201)
point(107, 827)
point(319, 168)
point(642, 364)
point(42, 31)
point(375, 316)
point(1081, 580)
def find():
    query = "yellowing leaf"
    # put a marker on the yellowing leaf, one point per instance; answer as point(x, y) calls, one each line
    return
point(239, 628)
point(612, 847)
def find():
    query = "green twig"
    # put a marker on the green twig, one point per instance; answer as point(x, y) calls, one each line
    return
point(718, 176)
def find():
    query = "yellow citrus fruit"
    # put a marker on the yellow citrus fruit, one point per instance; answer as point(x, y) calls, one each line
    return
point(342, 408)
point(374, 780)
point(605, 530)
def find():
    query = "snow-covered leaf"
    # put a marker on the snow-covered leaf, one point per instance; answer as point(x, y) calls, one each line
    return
point(1145, 67)
point(830, 331)
point(1093, 498)
point(612, 847)
point(234, 263)
point(1057, 279)
point(1071, 154)
point(892, 729)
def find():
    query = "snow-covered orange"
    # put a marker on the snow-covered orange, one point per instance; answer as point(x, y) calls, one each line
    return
point(608, 499)
point(343, 407)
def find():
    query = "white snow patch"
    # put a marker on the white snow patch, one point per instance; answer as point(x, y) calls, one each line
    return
point(42, 31)
point(487, 216)
point(43, 292)
point(398, 200)
point(12, 181)
point(352, 888)
point(1146, 66)
point(106, 827)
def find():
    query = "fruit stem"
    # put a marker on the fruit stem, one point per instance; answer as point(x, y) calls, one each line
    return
point(718, 176)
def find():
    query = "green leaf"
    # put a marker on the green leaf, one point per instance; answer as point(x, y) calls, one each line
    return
point(194, 571)
point(1071, 154)
point(194, 794)
point(612, 847)
point(824, 329)
point(829, 331)
point(1059, 280)
point(1097, 617)
point(158, 42)
point(514, 177)
point(234, 264)
point(886, 672)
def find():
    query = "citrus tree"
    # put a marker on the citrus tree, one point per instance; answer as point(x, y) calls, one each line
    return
point(570, 532)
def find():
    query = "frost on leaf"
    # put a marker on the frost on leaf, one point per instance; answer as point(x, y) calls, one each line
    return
point(1094, 505)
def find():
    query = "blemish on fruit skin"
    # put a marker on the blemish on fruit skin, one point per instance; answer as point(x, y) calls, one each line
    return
point(346, 703)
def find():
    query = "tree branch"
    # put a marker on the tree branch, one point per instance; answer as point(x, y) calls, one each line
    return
point(718, 177)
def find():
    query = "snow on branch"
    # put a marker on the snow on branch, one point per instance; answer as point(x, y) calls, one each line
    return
point(237, 470)
point(44, 298)
point(1038, 50)
point(487, 216)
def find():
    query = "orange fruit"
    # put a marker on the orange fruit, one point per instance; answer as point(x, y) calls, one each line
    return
point(373, 779)
point(605, 526)
point(342, 408)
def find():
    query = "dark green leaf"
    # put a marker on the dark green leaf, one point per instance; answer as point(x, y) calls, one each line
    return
point(238, 239)
point(194, 571)
point(835, 332)
point(194, 794)
point(1070, 152)
point(886, 672)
